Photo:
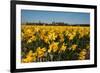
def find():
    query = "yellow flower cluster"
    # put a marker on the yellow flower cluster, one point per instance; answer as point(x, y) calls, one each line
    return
point(63, 48)
point(53, 47)
point(31, 57)
point(61, 42)
point(82, 54)
point(40, 52)
point(74, 46)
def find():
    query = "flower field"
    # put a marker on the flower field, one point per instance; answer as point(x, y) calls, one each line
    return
point(54, 43)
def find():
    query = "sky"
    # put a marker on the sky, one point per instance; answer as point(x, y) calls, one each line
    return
point(53, 16)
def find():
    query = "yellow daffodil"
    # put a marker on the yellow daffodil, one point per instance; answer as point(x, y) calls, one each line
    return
point(73, 47)
point(30, 57)
point(53, 47)
point(63, 48)
point(82, 54)
point(40, 52)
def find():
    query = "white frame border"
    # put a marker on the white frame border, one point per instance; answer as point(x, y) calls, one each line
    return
point(20, 65)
